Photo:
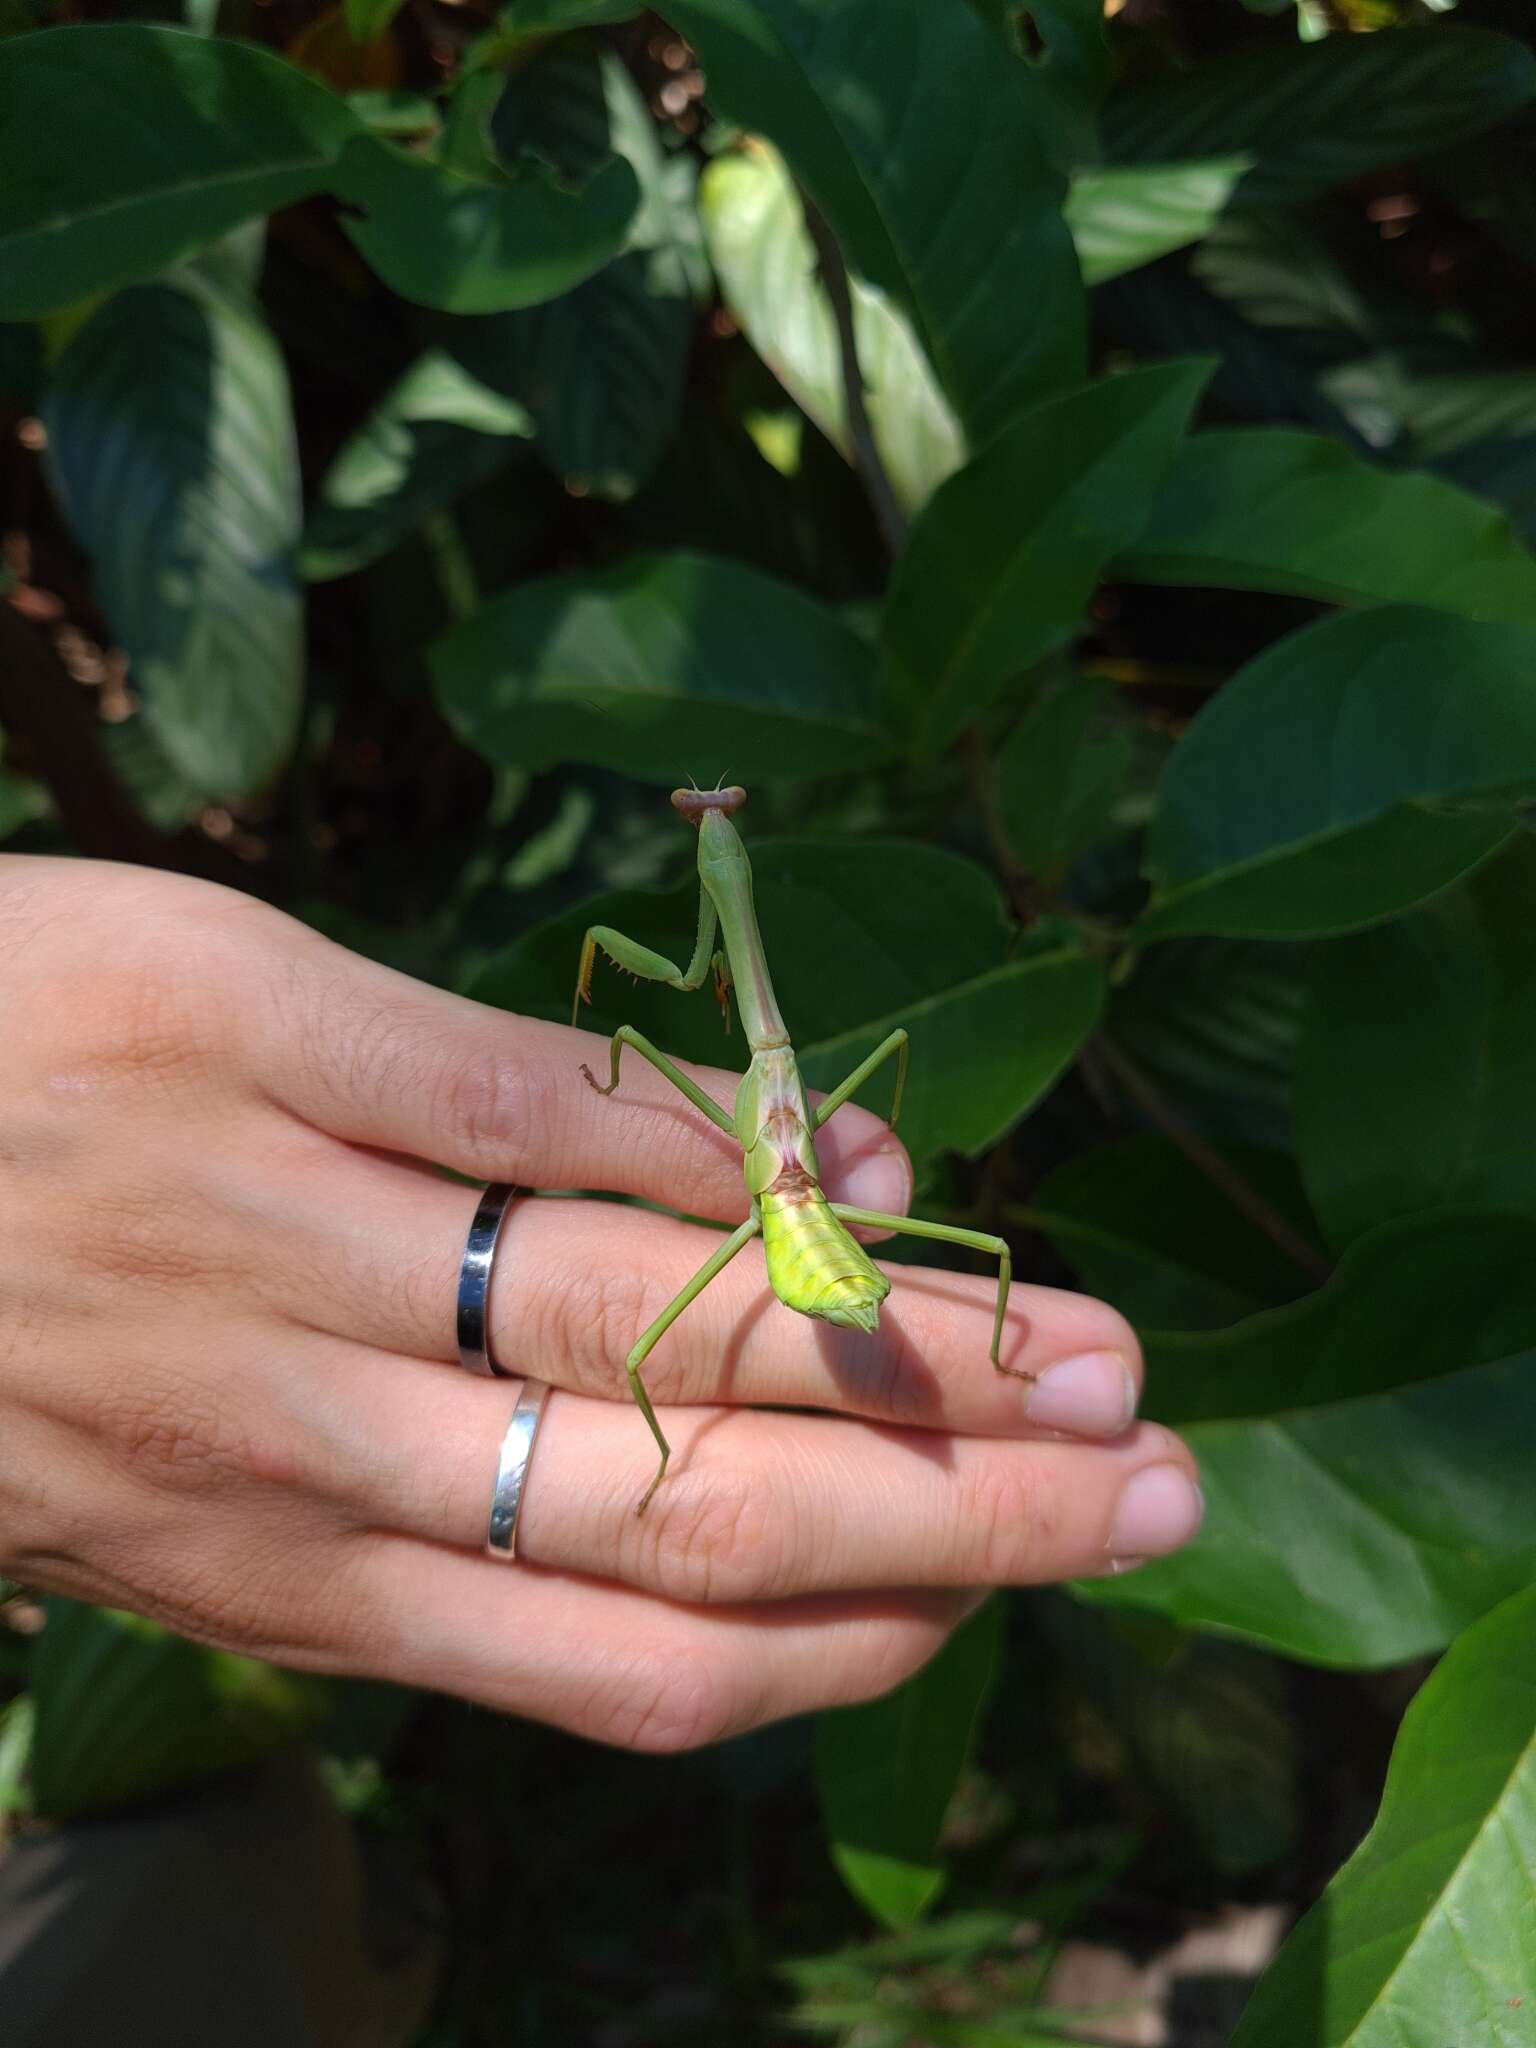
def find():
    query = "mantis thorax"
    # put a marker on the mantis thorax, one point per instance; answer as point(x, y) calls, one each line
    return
point(773, 1125)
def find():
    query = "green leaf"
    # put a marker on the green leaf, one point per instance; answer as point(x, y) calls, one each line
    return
point(1352, 770)
point(524, 23)
point(1145, 1228)
point(1365, 1453)
point(1212, 1024)
point(887, 1771)
point(852, 957)
point(1416, 1079)
point(1314, 116)
point(1058, 780)
point(956, 220)
point(1003, 558)
point(433, 436)
point(601, 369)
point(1272, 509)
point(763, 255)
point(125, 1711)
point(112, 195)
point(1124, 215)
point(655, 665)
point(21, 800)
point(173, 400)
point(1205, 1727)
point(482, 243)
point(367, 19)
point(1426, 1931)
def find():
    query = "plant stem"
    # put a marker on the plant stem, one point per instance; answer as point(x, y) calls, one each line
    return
point(1157, 1108)
point(889, 516)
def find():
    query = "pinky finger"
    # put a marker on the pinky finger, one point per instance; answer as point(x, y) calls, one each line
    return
point(628, 1668)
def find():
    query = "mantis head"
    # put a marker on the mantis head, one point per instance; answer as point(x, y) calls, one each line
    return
point(693, 803)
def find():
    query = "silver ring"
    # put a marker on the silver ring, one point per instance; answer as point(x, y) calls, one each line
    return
point(512, 1470)
point(475, 1281)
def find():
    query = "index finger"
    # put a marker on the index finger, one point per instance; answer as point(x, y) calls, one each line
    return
point(376, 1058)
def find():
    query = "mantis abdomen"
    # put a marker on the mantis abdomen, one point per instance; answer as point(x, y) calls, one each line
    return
point(813, 1263)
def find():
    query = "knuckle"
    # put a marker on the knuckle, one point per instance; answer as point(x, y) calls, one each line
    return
point(140, 1233)
point(1006, 1526)
point(674, 1699)
point(173, 1432)
point(599, 1312)
point(484, 1104)
point(715, 1540)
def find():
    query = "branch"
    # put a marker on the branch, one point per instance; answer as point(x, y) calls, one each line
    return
point(1208, 1160)
point(889, 516)
point(41, 703)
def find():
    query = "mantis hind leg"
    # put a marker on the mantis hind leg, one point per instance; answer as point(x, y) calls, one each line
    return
point(949, 1233)
point(711, 1268)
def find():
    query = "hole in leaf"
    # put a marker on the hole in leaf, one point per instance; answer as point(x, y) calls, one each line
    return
point(1031, 37)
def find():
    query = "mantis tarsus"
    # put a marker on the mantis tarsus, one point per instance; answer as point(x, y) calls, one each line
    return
point(814, 1265)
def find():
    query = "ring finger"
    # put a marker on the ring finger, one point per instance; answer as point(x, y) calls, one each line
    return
point(756, 1506)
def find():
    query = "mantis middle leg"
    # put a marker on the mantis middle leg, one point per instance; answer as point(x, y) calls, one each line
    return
point(896, 1043)
point(628, 1035)
point(949, 1233)
point(711, 1268)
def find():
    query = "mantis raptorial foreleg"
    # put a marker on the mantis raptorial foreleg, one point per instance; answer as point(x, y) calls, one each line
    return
point(641, 961)
point(627, 1035)
point(949, 1233)
point(712, 1266)
point(897, 1043)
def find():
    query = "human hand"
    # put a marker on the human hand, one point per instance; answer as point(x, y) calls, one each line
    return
point(229, 1395)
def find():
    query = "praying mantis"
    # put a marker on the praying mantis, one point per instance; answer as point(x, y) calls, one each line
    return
point(815, 1265)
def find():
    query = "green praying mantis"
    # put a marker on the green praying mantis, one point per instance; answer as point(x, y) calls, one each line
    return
point(815, 1265)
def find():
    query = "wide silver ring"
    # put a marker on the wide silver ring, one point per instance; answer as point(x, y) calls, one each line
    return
point(475, 1282)
point(512, 1470)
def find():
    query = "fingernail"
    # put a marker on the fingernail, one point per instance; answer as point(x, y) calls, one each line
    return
point(1160, 1508)
point(1092, 1394)
point(877, 1180)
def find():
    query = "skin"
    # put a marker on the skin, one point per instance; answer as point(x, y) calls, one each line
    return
point(229, 1395)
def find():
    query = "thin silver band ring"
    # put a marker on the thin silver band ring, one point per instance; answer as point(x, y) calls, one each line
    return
point(512, 1470)
point(475, 1281)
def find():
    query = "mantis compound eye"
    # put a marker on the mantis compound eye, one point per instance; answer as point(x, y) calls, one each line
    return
point(693, 803)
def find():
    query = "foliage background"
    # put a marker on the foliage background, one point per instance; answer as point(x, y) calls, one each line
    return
point(427, 435)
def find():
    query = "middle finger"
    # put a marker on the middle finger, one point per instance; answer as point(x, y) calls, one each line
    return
point(576, 1283)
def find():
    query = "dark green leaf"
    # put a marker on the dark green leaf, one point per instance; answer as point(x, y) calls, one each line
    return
point(887, 1772)
point(658, 665)
point(1352, 770)
point(852, 957)
point(525, 23)
point(434, 436)
point(1058, 780)
point(21, 800)
point(1212, 1025)
point(114, 194)
point(1124, 215)
point(484, 243)
point(1003, 558)
point(601, 368)
point(1269, 509)
point(1146, 1229)
point(1425, 1932)
point(767, 269)
point(1202, 1726)
point(366, 19)
point(125, 1710)
point(173, 400)
point(1315, 115)
point(1366, 1453)
point(1416, 1080)
point(846, 89)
